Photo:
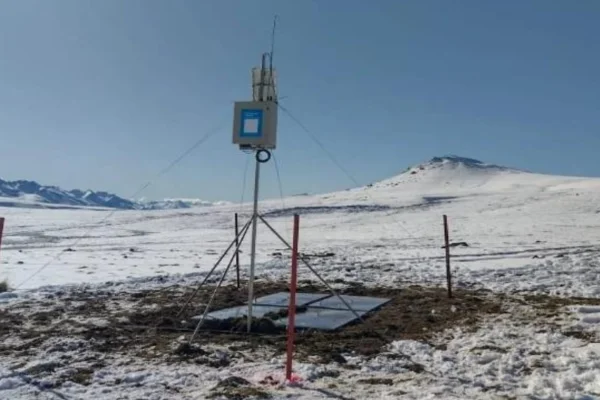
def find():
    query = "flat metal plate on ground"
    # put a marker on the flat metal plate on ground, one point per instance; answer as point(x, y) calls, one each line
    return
point(258, 311)
point(282, 299)
point(358, 303)
point(322, 319)
point(322, 312)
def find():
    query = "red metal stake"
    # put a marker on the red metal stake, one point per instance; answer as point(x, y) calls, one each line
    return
point(291, 329)
point(447, 240)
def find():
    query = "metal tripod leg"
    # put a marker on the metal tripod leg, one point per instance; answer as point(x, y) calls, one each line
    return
point(245, 227)
point(312, 269)
point(212, 297)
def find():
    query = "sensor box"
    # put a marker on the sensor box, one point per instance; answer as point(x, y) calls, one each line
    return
point(255, 124)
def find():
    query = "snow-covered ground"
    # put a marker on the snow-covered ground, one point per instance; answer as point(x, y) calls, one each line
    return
point(526, 233)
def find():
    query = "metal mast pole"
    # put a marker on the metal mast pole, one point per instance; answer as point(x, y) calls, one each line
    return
point(261, 97)
point(253, 248)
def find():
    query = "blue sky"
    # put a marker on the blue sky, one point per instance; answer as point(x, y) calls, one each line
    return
point(104, 94)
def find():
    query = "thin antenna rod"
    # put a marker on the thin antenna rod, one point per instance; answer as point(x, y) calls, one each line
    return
point(271, 85)
point(273, 42)
point(261, 92)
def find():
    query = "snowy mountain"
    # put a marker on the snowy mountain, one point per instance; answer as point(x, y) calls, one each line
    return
point(468, 183)
point(24, 193)
point(450, 170)
point(31, 194)
point(436, 179)
point(460, 175)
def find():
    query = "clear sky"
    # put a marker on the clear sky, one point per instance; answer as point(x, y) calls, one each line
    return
point(103, 94)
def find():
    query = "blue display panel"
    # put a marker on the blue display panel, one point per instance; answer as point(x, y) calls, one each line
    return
point(251, 124)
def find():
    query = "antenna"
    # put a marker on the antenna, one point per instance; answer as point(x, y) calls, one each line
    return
point(273, 41)
point(271, 72)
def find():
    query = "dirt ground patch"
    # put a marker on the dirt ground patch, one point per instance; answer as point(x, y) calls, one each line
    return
point(235, 388)
point(552, 305)
point(148, 323)
point(414, 312)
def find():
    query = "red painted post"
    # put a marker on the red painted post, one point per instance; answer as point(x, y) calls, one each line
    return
point(291, 328)
point(447, 240)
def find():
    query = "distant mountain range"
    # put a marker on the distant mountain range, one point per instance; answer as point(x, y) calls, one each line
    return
point(447, 173)
point(23, 193)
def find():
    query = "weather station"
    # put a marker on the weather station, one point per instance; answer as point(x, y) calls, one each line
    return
point(255, 130)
